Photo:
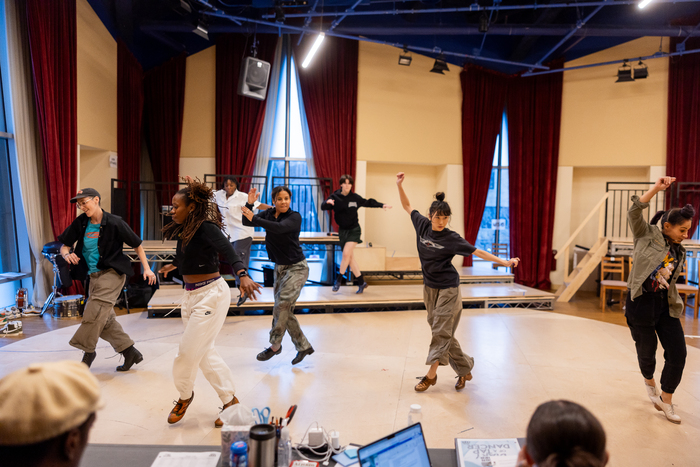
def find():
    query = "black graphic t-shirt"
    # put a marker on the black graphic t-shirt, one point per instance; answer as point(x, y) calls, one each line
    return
point(662, 274)
point(436, 250)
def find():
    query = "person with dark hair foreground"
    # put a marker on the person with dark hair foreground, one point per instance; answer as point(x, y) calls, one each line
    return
point(437, 245)
point(344, 203)
point(196, 225)
point(653, 304)
point(46, 413)
point(230, 201)
point(563, 433)
point(282, 226)
point(99, 239)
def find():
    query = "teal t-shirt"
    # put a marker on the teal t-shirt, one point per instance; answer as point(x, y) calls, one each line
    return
point(90, 251)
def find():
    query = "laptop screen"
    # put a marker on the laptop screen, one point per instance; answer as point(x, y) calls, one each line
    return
point(405, 448)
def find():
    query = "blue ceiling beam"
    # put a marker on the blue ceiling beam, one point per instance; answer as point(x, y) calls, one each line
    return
point(307, 21)
point(474, 7)
point(347, 12)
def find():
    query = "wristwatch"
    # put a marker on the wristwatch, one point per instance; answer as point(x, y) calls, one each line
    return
point(242, 274)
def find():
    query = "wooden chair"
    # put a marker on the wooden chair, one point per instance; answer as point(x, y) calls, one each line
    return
point(500, 250)
point(614, 265)
point(686, 290)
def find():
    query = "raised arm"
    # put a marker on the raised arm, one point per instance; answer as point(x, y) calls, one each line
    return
point(635, 215)
point(513, 262)
point(405, 203)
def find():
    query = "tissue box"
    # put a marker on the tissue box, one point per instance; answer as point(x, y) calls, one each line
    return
point(229, 435)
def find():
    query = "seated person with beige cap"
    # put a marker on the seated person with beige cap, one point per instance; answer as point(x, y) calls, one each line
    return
point(46, 412)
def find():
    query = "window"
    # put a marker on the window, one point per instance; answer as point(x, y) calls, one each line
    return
point(495, 223)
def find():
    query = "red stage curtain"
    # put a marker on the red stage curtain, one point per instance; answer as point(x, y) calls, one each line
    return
point(534, 117)
point(129, 114)
point(164, 99)
point(329, 90)
point(239, 119)
point(483, 99)
point(53, 46)
point(683, 134)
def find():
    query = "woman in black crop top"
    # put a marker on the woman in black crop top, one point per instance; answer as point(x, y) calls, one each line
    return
point(437, 245)
point(282, 226)
point(197, 227)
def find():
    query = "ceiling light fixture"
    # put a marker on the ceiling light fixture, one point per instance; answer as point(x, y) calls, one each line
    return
point(405, 58)
point(643, 3)
point(313, 50)
point(279, 14)
point(641, 71)
point(483, 23)
point(201, 29)
point(440, 65)
point(624, 73)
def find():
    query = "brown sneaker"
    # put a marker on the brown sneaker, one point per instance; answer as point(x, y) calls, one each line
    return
point(425, 383)
point(218, 423)
point(179, 410)
point(461, 380)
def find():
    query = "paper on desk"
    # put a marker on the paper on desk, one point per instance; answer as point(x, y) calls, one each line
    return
point(187, 459)
point(505, 461)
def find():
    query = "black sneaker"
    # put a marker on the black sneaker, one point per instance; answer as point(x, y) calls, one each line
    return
point(131, 357)
point(268, 353)
point(89, 357)
point(361, 288)
point(336, 284)
point(300, 355)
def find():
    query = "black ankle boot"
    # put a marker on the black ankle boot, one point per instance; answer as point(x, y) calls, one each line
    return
point(89, 357)
point(131, 357)
point(336, 285)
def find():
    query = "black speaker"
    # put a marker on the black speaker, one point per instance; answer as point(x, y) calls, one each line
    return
point(253, 79)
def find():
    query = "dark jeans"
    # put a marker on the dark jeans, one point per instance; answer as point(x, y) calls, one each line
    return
point(647, 318)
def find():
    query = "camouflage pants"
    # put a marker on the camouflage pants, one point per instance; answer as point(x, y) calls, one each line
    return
point(444, 308)
point(289, 280)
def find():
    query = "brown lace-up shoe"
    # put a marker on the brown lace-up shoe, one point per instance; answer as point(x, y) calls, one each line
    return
point(461, 380)
point(179, 410)
point(425, 383)
point(218, 423)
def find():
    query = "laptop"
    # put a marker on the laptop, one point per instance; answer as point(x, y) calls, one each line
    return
point(405, 448)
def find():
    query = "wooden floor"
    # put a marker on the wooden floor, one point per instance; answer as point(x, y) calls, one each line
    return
point(583, 305)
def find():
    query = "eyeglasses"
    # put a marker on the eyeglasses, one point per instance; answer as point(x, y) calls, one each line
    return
point(83, 202)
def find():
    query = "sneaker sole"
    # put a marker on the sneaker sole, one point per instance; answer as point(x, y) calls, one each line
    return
point(661, 410)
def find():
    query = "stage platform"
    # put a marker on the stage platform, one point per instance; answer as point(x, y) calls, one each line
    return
point(374, 298)
point(467, 275)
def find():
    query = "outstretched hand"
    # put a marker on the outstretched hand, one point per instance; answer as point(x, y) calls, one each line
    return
point(386, 206)
point(249, 287)
point(253, 195)
point(330, 201)
point(664, 182)
point(247, 213)
point(512, 263)
point(166, 269)
point(399, 178)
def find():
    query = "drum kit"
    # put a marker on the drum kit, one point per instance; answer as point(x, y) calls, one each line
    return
point(69, 306)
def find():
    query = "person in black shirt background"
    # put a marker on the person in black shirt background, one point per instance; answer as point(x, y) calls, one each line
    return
point(196, 224)
point(437, 245)
point(344, 204)
point(99, 239)
point(282, 226)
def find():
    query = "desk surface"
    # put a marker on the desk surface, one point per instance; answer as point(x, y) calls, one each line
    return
point(132, 455)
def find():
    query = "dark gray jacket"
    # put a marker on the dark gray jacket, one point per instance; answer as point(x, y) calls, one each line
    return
point(650, 249)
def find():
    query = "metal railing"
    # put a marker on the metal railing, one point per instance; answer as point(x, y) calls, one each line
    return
point(619, 201)
point(308, 193)
point(245, 182)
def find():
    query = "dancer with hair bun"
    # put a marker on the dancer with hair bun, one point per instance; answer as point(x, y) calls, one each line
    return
point(437, 245)
point(563, 433)
point(196, 225)
point(653, 304)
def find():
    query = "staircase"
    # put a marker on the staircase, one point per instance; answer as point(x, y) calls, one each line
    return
point(589, 263)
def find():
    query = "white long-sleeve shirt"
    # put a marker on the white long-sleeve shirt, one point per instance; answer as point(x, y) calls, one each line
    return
point(231, 210)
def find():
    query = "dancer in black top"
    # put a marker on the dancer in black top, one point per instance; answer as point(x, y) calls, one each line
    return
point(197, 227)
point(437, 245)
point(344, 204)
point(282, 226)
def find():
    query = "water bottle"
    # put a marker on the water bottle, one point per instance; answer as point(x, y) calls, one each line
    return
point(414, 414)
point(284, 449)
point(239, 454)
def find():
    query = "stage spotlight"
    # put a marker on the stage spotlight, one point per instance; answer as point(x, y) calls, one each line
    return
point(641, 71)
point(440, 65)
point(405, 58)
point(483, 23)
point(624, 73)
point(201, 29)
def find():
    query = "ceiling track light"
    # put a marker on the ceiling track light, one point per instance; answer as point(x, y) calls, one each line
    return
point(313, 50)
point(483, 23)
point(440, 65)
point(201, 29)
point(641, 71)
point(643, 3)
point(405, 58)
point(279, 14)
point(624, 73)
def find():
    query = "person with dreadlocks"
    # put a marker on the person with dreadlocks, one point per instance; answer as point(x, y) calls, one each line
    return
point(437, 245)
point(282, 227)
point(196, 224)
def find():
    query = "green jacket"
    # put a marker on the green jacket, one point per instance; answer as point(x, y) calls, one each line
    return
point(650, 249)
